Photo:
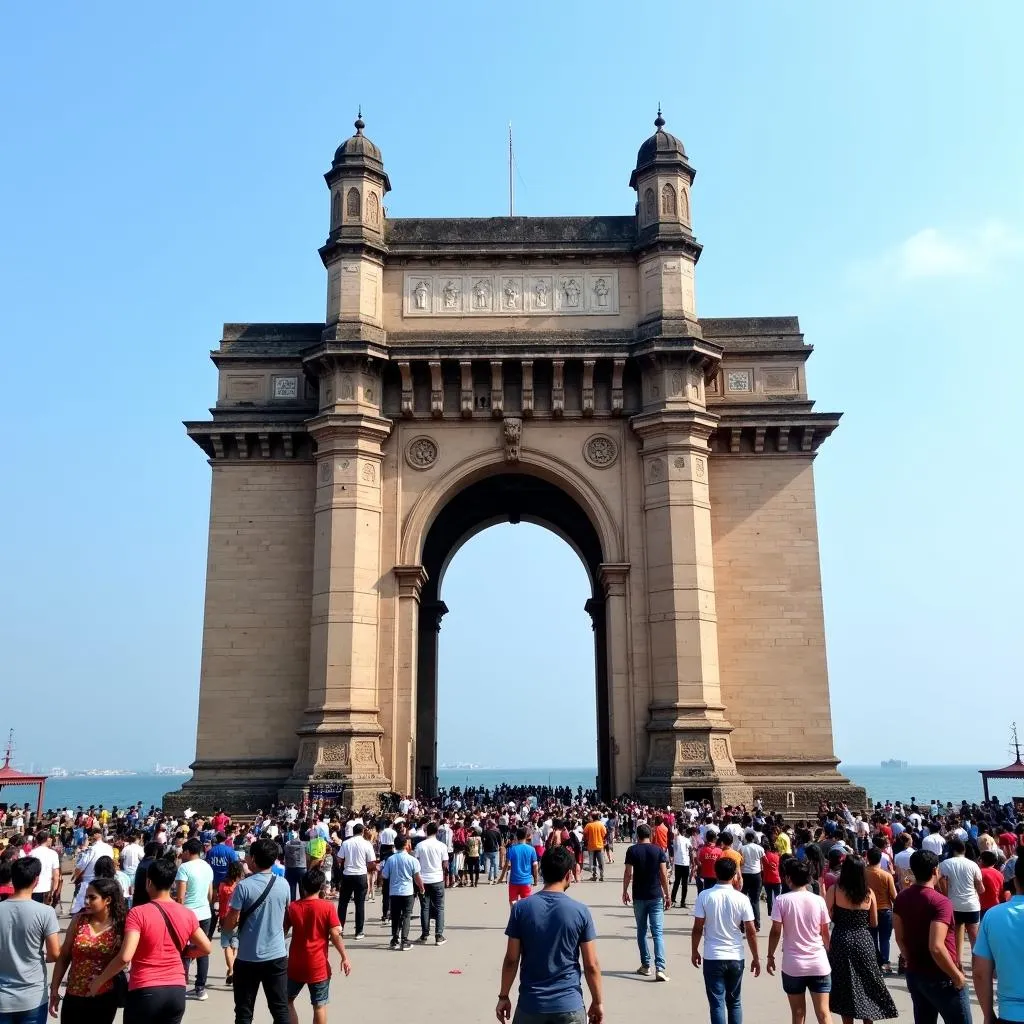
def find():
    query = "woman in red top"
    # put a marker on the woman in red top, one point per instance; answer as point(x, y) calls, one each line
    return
point(770, 877)
point(707, 856)
point(229, 936)
point(92, 941)
point(992, 879)
point(155, 937)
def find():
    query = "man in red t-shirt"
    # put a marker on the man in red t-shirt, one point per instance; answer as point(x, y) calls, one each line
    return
point(707, 855)
point(992, 879)
point(220, 822)
point(314, 924)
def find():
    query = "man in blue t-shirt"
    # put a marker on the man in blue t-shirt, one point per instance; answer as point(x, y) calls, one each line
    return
point(647, 870)
point(999, 950)
point(548, 934)
point(521, 867)
point(219, 857)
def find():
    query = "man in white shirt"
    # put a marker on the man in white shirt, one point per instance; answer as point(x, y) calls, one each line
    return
point(132, 853)
point(682, 852)
point(933, 842)
point(433, 860)
point(350, 826)
point(960, 879)
point(753, 853)
point(358, 862)
point(723, 917)
point(85, 866)
point(48, 882)
point(386, 843)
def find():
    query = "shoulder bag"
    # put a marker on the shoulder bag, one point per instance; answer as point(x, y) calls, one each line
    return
point(187, 950)
point(247, 912)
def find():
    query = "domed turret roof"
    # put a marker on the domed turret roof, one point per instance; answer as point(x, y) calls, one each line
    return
point(359, 152)
point(661, 147)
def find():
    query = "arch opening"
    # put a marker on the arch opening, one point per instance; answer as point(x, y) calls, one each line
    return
point(510, 498)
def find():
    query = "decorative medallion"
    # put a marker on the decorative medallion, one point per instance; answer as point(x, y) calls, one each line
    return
point(600, 451)
point(680, 462)
point(421, 452)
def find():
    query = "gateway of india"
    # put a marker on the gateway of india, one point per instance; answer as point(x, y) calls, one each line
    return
point(472, 371)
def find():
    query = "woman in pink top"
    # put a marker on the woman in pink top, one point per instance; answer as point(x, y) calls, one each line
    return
point(800, 919)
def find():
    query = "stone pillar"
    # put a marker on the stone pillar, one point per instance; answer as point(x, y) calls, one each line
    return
point(614, 577)
point(340, 736)
point(688, 733)
point(425, 777)
point(402, 728)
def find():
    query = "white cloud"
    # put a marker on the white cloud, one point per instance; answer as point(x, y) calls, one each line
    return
point(932, 254)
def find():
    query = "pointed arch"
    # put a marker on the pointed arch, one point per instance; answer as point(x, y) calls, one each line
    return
point(650, 205)
point(372, 208)
point(352, 203)
point(336, 208)
point(684, 205)
point(668, 200)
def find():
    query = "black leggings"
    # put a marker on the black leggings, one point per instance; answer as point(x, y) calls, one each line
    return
point(160, 1004)
point(473, 865)
point(89, 1009)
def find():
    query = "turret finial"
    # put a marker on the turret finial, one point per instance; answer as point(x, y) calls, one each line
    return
point(659, 121)
point(360, 125)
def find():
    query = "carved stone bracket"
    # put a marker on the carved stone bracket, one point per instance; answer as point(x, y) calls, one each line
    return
point(527, 401)
point(466, 393)
point(512, 432)
point(436, 389)
point(558, 387)
point(497, 390)
point(618, 366)
point(407, 399)
point(410, 580)
point(588, 387)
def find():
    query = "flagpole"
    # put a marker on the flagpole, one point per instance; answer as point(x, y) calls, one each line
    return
point(511, 186)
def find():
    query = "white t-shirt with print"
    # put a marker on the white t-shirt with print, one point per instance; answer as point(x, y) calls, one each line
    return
point(724, 911)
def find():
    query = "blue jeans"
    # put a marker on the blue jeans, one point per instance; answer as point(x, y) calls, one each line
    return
point(935, 997)
point(432, 906)
point(881, 936)
point(36, 1016)
point(722, 981)
point(650, 913)
point(491, 860)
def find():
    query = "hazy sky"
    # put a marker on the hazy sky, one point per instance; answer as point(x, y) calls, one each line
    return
point(858, 165)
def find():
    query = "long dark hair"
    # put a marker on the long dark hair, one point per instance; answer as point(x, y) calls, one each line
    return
point(110, 889)
point(853, 879)
point(104, 868)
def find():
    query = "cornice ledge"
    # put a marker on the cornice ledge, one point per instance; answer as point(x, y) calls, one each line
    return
point(651, 424)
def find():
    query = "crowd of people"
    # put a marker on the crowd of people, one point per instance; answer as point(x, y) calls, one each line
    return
point(150, 892)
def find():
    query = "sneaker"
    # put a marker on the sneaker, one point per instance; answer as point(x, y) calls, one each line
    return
point(644, 972)
point(229, 979)
point(358, 936)
point(405, 946)
point(423, 940)
point(440, 940)
point(394, 944)
point(201, 994)
point(660, 976)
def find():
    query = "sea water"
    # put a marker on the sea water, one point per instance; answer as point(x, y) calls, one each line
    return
point(925, 782)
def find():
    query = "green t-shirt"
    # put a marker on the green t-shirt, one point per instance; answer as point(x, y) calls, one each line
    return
point(198, 877)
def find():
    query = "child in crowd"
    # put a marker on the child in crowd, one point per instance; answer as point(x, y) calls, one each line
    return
point(314, 925)
point(229, 936)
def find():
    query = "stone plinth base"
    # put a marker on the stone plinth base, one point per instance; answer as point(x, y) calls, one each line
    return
point(242, 785)
point(349, 792)
point(674, 791)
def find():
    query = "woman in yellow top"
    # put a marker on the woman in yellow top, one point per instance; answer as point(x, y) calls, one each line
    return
point(783, 847)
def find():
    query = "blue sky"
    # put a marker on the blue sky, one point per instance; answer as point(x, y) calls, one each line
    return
point(858, 165)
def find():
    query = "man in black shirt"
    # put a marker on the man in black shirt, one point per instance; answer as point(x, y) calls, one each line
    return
point(491, 845)
point(647, 869)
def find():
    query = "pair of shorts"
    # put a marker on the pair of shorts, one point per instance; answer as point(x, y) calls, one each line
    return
point(797, 985)
point(518, 892)
point(229, 938)
point(966, 916)
point(319, 991)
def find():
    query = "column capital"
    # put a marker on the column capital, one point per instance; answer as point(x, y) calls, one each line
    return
point(410, 580)
point(594, 607)
point(695, 426)
point(336, 431)
point(613, 577)
point(432, 612)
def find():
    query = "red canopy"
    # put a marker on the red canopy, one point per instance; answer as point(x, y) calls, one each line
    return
point(1011, 771)
point(12, 777)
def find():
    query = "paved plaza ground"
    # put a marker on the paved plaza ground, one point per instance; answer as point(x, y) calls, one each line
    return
point(458, 982)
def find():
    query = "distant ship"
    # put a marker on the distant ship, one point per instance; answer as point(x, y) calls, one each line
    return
point(895, 764)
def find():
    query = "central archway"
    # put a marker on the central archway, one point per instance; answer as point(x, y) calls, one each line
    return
point(504, 497)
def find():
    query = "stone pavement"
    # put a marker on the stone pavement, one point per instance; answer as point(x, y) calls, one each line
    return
point(459, 980)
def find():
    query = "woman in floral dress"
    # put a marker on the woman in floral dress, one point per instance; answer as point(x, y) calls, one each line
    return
point(92, 941)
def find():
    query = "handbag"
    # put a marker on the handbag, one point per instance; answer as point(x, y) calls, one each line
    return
point(188, 951)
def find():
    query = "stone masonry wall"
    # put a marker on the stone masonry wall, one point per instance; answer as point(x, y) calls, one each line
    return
point(771, 632)
point(255, 669)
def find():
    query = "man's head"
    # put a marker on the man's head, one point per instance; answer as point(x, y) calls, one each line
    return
point(192, 849)
point(924, 864)
point(43, 839)
point(431, 828)
point(643, 832)
point(357, 828)
point(401, 842)
point(956, 846)
point(160, 876)
point(874, 856)
point(312, 882)
point(521, 834)
point(95, 835)
point(749, 836)
point(557, 866)
point(710, 836)
point(988, 859)
point(264, 854)
point(725, 869)
point(25, 873)
point(797, 871)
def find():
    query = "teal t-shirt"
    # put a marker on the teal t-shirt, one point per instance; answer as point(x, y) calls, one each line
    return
point(198, 877)
point(1001, 940)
